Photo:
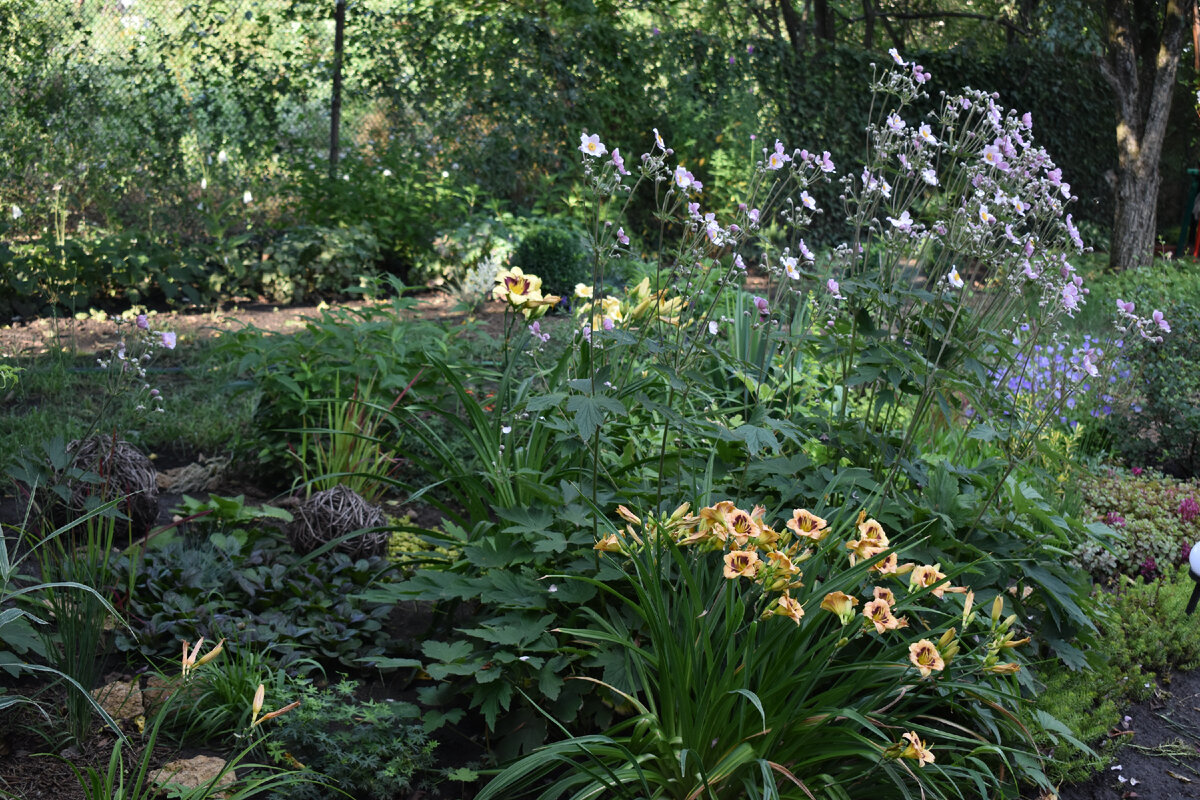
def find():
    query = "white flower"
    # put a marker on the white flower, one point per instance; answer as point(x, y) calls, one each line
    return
point(247, 198)
point(955, 279)
point(387, 173)
point(203, 184)
point(895, 54)
point(16, 212)
point(591, 145)
point(222, 157)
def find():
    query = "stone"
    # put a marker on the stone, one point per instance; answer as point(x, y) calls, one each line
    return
point(121, 700)
point(192, 773)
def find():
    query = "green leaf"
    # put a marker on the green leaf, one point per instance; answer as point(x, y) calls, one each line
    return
point(756, 438)
point(588, 412)
point(447, 652)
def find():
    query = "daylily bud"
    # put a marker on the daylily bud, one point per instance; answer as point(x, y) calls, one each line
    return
point(997, 608)
point(946, 639)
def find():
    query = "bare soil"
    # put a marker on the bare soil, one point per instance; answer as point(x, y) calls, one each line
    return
point(95, 334)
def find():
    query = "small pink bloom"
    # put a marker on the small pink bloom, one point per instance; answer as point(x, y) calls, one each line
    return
point(143, 322)
point(621, 237)
point(168, 339)
point(763, 307)
point(618, 162)
point(1162, 324)
point(834, 289)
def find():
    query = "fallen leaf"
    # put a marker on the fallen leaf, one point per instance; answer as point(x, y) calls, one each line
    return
point(1179, 777)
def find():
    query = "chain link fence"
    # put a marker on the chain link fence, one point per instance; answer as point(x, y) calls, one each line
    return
point(113, 111)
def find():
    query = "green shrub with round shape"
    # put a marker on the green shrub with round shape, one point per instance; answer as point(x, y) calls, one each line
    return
point(556, 253)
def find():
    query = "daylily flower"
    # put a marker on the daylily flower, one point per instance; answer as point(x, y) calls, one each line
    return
point(917, 750)
point(871, 542)
point(741, 564)
point(779, 573)
point(924, 656)
point(926, 575)
point(841, 604)
point(744, 526)
point(879, 613)
point(787, 606)
point(257, 704)
point(808, 525)
point(190, 662)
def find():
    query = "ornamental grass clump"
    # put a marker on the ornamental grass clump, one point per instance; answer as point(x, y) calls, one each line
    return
point(789, 660)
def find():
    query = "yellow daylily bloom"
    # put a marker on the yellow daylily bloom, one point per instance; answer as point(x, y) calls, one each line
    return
point(841, 604)
point(742, 564)
point(924, 656)
point(810, 526)
point(917, 750)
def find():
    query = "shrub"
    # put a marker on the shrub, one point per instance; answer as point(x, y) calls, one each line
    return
point(556, 253)
point(1163, 429)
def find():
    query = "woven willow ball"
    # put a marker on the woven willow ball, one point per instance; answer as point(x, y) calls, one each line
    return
point(124, 472)
point(333, 513)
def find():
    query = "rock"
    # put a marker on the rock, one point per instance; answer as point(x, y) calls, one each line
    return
point(191, 773)
point(122, 700)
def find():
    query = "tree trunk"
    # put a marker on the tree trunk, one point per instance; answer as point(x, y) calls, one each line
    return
point(793, 24)
point(1142, 50)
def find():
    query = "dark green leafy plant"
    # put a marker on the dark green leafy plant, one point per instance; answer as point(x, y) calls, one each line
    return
point(557, 254)
point(366, 749)
point(250, 586)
